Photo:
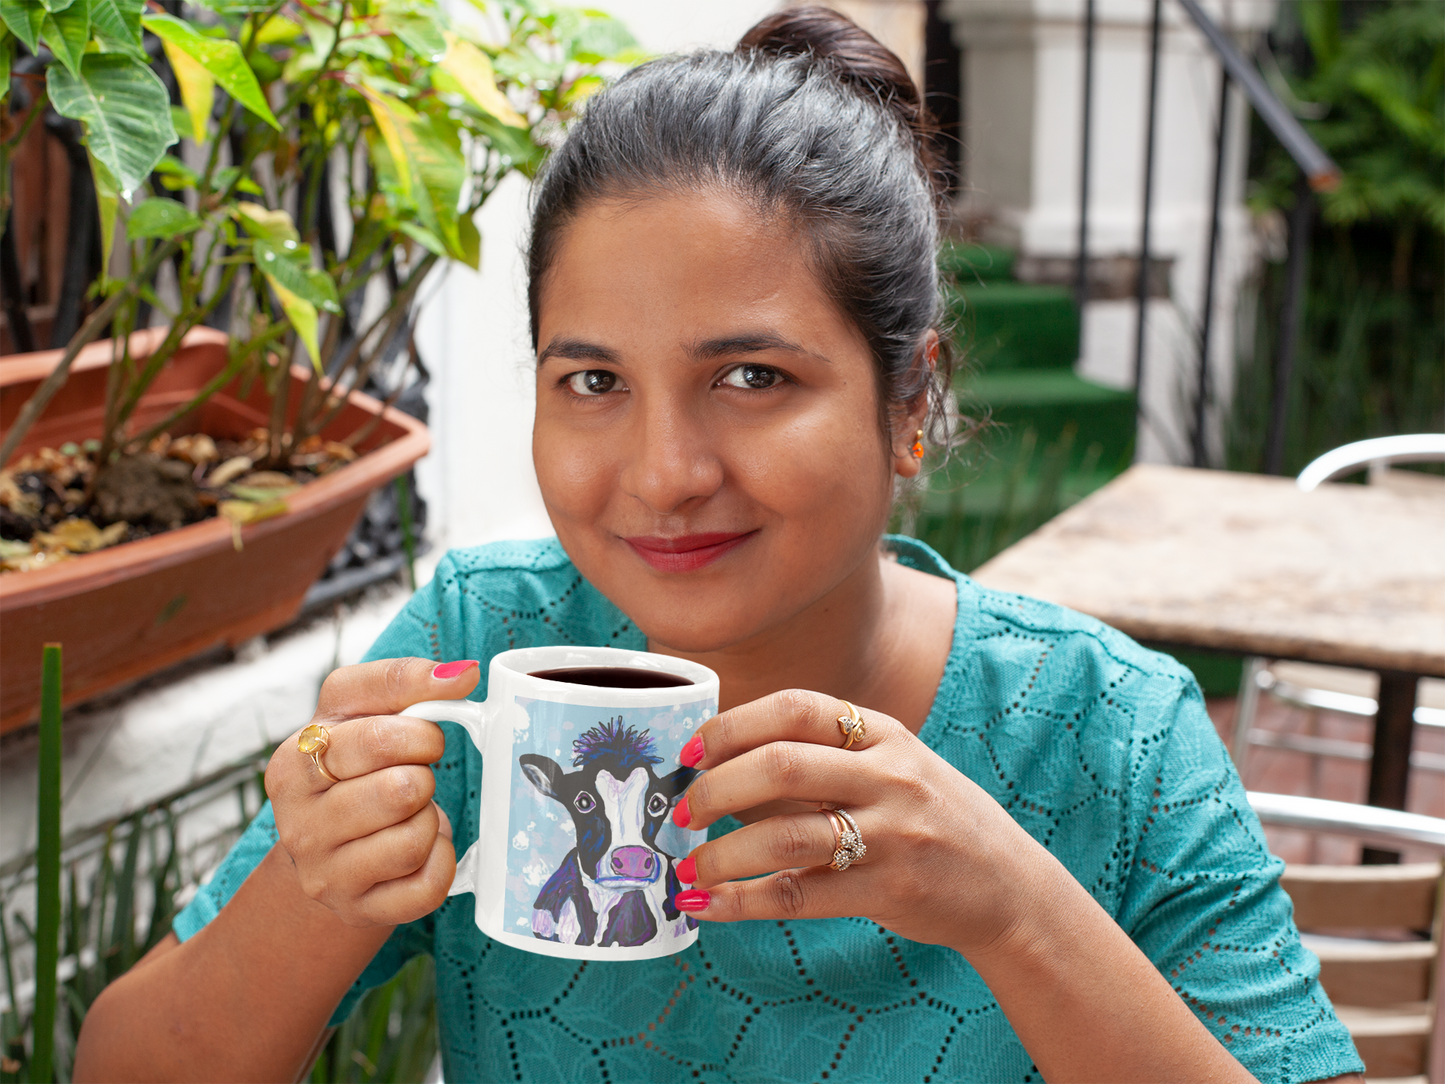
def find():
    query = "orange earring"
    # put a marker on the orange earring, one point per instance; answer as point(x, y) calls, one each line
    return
point(918, 445)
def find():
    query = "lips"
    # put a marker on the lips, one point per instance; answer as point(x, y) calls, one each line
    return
point(687, 553)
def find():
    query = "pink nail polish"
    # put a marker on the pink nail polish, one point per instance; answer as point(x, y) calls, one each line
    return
point(694, 899)
point(692, 752)
point(680, 815)
point(687, 870)
point(453, 669)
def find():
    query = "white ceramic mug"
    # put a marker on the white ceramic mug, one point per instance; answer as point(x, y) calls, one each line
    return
point(576, 847)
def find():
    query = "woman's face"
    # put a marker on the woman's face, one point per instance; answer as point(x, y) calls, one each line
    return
point(707, 436)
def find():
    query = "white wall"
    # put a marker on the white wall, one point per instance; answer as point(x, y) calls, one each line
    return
point(473, 334)
point(1023, 79)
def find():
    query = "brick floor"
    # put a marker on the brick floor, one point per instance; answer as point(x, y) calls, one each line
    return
point(1282, 771)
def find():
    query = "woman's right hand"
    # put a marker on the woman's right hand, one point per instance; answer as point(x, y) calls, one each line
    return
point(374, 847)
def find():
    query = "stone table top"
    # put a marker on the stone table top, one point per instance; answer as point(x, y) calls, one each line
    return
point(1349, 575)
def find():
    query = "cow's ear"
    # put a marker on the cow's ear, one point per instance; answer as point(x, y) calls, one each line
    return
point(673, 785)
point(544, 773)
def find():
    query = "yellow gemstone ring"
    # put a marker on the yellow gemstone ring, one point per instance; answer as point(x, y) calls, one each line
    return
point(313, 741)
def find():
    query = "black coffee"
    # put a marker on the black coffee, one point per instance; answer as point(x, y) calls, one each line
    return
point(612, 677)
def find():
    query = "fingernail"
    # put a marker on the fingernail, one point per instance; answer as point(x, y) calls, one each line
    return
point(692, 752)
point(687, 870)
point(694, 899)
point(680, 815)
point(453, 669)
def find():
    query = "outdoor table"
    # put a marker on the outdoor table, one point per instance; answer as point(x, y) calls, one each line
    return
point(1346, 575)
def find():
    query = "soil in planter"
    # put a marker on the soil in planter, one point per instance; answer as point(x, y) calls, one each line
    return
point(53, 506)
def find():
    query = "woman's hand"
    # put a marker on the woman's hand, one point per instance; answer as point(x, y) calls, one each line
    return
point(945, 864)
point(374, 847)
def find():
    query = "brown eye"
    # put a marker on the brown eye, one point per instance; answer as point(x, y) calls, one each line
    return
point(584, 802)
point(752, 377)
point(592, 382)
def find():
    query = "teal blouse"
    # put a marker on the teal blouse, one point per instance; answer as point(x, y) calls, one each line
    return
point(1099, 748)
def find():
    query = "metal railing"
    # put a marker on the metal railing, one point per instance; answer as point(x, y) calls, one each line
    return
point(1318, 173)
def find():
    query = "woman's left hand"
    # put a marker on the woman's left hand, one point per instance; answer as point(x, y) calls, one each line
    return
point(945, 863)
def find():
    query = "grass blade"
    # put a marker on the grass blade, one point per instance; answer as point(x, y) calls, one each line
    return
point(47, 863)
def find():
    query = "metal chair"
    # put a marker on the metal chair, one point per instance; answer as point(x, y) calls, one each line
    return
point(1389, 993)
point(1376, 456)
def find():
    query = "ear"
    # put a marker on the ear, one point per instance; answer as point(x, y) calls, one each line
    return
point(906, 427)
point(544, 773)
point(673, 785)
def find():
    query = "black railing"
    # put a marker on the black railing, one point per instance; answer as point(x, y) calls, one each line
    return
point(1318, 173)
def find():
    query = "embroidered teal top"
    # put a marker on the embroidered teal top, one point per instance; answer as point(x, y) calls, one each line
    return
point(1099, 748)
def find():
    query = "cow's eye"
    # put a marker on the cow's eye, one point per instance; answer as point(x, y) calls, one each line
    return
point(656, 805)
point(584, 802)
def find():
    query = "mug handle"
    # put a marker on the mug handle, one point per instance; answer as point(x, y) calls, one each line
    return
point(473, 718)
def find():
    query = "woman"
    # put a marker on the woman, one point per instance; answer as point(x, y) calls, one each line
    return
point(734, 306)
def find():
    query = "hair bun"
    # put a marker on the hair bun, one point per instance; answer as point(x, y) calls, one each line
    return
point(860, 60)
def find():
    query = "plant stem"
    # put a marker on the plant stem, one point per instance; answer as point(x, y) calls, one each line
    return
point(92, 327)
point(47, 870)
point(408, 540)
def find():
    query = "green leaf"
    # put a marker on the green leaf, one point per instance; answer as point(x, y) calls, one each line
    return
point(56, 6)
point(266, 225)
point(175, 174)
point(417, 32)
point(302, 315)
point(472, 69)
point(426, 157)
point(107, 200)
point(125, 109)
point(289, 264)
point(471, 242)
point(601, 39)
point(6, 49)
point(117, 24)
point(24, 20)
point(198, 91)
point(221, 57)
point(161, 218)
point(67, 32)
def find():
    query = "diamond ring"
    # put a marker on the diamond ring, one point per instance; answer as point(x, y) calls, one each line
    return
point(851, 725)
point(848, 844)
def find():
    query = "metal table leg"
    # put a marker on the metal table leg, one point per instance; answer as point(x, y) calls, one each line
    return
point(1390, 762)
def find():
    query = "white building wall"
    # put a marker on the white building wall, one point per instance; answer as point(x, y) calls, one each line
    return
point(1023, 85)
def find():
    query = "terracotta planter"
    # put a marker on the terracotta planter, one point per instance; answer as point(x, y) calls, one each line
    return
point(136, 608)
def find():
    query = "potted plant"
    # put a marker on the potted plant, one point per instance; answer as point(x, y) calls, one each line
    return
point(332, 154)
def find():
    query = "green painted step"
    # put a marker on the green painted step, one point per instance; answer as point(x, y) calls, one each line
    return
point(1015, 325)
point(970, 263)
point(1049, 401)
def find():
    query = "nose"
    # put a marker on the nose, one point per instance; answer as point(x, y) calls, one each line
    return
point(633, 862)
point(672, 462)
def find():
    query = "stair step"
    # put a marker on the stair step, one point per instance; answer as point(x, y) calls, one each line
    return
point(970, 263)
point(1015, 325)
point(1050, 402)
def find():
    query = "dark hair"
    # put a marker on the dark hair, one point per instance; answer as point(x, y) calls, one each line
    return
point(811, 118)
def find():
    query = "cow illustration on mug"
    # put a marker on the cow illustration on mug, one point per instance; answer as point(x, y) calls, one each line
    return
point(615, 887)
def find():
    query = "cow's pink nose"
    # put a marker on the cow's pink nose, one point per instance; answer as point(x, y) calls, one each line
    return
point(633, 862)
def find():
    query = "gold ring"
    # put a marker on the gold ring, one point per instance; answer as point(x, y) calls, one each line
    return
point(313, 741)
point(848, 844)
point(851, 725)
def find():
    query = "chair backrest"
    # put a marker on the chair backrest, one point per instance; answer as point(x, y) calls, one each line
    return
point(1366, 900)
point(1348, 458)
point(1377, 931)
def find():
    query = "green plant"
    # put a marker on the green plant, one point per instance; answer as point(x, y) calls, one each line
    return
point(1369, 359)
point(328, 144)
point(120, 890)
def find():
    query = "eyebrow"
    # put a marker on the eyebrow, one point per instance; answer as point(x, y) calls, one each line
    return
point(707, 350)
point(578, 350)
